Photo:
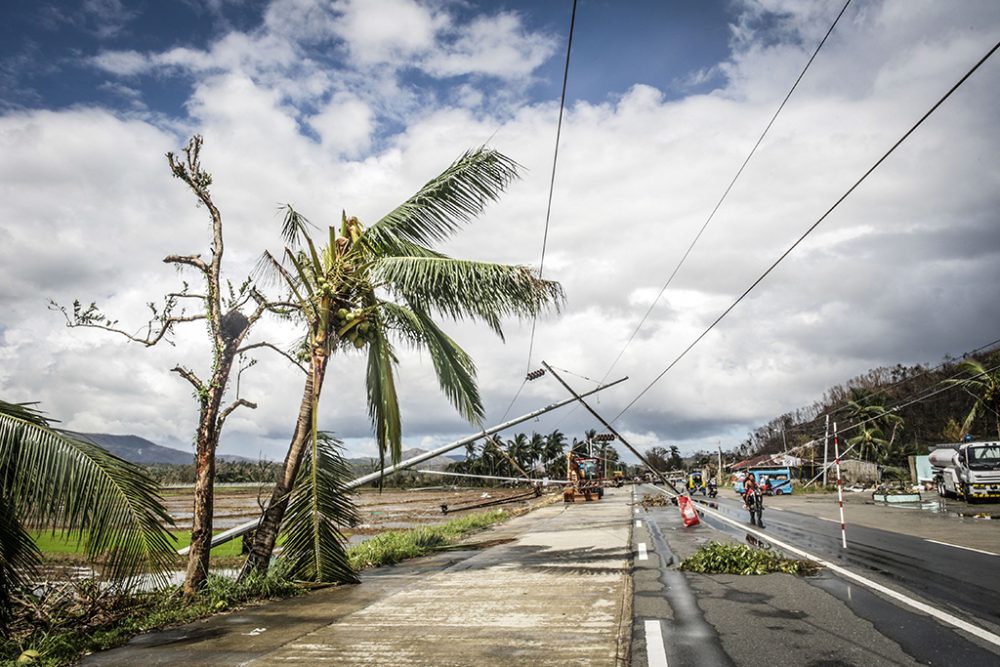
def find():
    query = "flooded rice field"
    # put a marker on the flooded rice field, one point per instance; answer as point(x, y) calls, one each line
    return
point(392, 509)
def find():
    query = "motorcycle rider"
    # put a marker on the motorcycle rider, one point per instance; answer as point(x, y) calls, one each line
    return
point(749, 487)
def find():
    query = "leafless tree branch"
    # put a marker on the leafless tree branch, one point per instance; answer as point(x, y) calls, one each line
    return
point(190, 377)
point(191, 260)
point(277, 349)
point(225, 413)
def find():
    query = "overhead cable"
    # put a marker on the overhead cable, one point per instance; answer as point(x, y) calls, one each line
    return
point(725, 194)
point(552, 179)
point(812, 227)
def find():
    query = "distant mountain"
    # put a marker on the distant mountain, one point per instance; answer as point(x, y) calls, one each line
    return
point(134, 449)
point(363, 463)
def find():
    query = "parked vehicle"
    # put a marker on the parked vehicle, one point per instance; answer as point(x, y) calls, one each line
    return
point(695, 483)
point(968, 470)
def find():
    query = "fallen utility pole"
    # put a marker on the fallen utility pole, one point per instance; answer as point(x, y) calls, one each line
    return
point(249, 526)
point(579, 397)
point(544, 481)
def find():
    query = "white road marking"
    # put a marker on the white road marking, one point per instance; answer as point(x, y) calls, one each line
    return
point(656, 654)
point(638, 523)
point(642, 551)
point(636, 510)
point(823, 518)
point(959, 546)
point(942, 616)
point(777, 509)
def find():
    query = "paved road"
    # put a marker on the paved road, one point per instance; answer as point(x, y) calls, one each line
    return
point(728, 620)
point(965, 582)
point(554, 588)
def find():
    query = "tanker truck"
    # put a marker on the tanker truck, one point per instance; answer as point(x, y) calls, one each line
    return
point(968, 470)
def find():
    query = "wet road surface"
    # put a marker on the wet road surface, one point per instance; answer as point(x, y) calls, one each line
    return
point(964, 581)
point(840, 622)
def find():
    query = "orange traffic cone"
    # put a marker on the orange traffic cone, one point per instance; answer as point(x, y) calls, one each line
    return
point(689, 515)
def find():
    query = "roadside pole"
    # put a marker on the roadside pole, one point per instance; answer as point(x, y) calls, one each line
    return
point(826, 450)
point(718, 474)
point(840, 486)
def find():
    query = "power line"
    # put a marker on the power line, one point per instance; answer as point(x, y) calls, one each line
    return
point(552, 179)
point(812, 227)
point(725, 194)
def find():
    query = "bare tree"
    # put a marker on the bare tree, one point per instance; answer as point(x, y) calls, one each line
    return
point(228, 328)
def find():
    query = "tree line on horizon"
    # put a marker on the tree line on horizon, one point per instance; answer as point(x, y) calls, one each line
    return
point(890, 413)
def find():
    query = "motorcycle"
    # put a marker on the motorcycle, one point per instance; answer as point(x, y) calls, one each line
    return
point(713, 490)
point(755, 505)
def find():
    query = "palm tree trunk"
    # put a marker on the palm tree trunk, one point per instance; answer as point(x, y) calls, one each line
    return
point(267, 533)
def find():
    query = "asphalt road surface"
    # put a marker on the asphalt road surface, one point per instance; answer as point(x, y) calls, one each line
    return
point(689, 619)
point(964, 581)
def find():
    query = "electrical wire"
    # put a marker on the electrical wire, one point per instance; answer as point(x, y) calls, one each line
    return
point(812, 227)
point(725, 194)
point(552, 179)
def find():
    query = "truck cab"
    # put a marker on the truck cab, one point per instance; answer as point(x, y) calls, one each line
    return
point(969, 470)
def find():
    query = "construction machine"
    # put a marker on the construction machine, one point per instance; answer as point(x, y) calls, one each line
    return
point(584, 479)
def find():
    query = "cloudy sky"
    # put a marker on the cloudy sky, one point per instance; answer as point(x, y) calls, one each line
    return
point(353, 104)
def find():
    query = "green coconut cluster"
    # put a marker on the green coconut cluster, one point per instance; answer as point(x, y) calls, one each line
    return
point(354, 326)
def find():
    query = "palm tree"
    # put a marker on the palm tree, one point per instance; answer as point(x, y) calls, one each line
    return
point(872, 420)
point(984, 385)
point(49, 480)
point(536, 448)
point(370, 286)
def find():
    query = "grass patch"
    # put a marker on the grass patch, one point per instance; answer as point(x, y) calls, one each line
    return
point(72, 543)
point(400, 545)
point(57, 625)
point(728, 558)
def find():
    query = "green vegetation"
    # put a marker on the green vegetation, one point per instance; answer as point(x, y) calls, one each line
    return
point(889, 413)
point(399, 545)
point(729, 558)
point(50, 480)
point(55, 544)
point(68, 620)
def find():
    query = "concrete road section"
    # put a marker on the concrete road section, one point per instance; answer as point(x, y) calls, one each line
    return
point(553, 590)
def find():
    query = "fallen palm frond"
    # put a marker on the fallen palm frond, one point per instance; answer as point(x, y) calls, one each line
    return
point(729, 558)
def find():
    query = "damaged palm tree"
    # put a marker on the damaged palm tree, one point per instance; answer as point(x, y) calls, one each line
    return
point(369, 287)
